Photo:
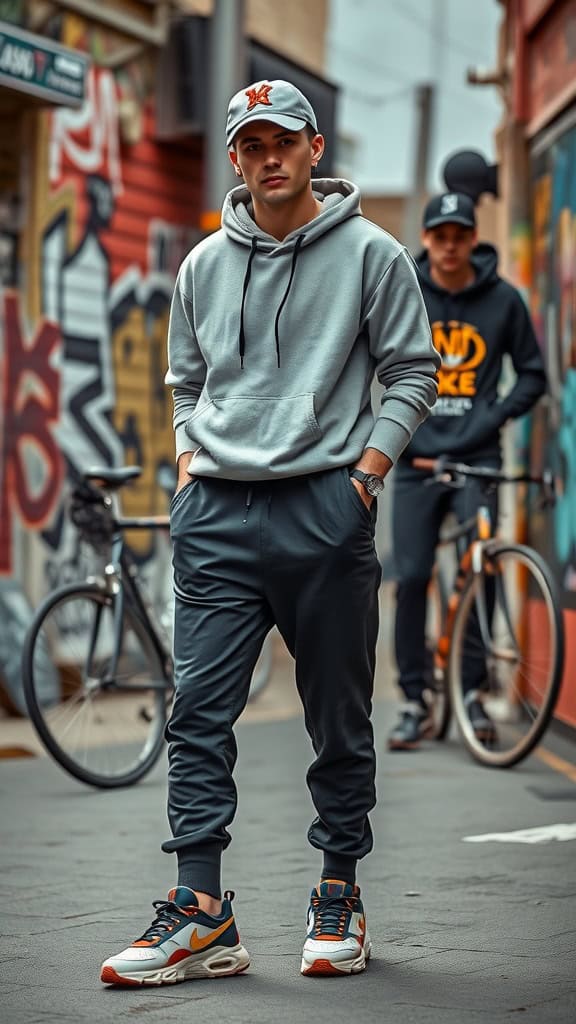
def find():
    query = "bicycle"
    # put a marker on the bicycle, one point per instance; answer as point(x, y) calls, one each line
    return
point(102, 712)
point(501, 626)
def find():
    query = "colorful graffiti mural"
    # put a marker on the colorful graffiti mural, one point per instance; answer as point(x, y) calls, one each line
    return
point(554, 312)
point(115, 223)
point(31, 466)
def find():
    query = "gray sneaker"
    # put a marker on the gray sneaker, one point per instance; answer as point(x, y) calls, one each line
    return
point(414, 723)
point(482, 724)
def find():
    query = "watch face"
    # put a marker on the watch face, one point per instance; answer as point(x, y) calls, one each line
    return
point(374, 485)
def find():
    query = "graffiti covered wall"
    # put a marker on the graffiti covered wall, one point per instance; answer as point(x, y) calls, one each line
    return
point(83, 349)
point(554, 313)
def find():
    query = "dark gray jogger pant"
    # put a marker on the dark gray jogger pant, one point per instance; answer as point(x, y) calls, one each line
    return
point(298, 553)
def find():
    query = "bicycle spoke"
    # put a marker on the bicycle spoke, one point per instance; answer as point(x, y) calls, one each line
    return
point(97, 729)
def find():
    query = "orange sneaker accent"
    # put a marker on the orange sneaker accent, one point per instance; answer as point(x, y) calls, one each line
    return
point(196, 943)
point(109, 977)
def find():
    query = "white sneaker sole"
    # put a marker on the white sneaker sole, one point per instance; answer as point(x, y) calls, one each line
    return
point(220, 962)
point(322, 965)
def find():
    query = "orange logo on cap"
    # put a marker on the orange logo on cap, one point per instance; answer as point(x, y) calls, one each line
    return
point(260, 95)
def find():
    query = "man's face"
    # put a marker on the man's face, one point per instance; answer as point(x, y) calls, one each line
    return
point(449, 247)
point(274, 162)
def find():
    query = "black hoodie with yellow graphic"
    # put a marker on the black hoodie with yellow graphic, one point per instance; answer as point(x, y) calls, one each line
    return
point(472, 330)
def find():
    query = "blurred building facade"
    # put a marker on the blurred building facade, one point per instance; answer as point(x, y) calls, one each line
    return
point(103, 111)
point(536, 146)
point(533, 225)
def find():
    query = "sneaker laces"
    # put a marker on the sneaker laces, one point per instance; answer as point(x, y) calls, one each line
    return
point(332, 914)
point(168, 915)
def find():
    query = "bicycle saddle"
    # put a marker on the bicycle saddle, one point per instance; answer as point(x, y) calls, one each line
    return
point(111, 477)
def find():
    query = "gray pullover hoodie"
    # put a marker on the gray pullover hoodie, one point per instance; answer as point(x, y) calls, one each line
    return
point(273, 346)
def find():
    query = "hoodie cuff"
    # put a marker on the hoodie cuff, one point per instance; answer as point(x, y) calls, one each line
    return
point(183, 442)
point(388, 437)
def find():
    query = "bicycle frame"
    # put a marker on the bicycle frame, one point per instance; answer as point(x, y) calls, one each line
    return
point(471, 559)
point(501, 692)
point(443, 645)
point(119, 581)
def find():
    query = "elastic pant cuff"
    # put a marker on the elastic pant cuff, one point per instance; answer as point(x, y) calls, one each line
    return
point(200, 869)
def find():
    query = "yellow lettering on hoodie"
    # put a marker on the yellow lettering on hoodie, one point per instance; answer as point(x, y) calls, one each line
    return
point(462, 349)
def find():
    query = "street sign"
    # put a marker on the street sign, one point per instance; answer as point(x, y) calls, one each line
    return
point(40, 67)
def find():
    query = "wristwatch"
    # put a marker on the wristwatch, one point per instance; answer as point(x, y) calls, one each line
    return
point(374, 485)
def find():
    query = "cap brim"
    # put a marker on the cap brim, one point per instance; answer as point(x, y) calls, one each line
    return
point(292, 124)
point(449, 219)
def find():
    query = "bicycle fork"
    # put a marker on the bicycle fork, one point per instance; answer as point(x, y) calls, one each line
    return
point(112, 586)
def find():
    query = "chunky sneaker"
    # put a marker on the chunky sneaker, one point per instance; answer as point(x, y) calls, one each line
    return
point(182, 942)
point(337, 941)
point(482, 724)
point(415, 722)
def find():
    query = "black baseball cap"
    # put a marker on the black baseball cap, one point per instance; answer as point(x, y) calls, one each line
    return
point(449, 208)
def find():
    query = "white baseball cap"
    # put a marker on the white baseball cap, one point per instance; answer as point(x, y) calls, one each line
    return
point(277, 101)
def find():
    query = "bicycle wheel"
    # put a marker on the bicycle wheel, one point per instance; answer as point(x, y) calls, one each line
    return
point(436, 606)
point(507, 643)
point(105, 732)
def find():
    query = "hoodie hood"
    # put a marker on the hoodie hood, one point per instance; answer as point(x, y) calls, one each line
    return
point(484, 259)
point(340, 200)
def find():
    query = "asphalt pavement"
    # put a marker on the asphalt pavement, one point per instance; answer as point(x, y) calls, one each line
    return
point(463, 931)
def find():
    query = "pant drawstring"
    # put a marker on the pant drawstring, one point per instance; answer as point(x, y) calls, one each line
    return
point(248, 504)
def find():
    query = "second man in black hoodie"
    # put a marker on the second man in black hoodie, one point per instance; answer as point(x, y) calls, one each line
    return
point(476, 318)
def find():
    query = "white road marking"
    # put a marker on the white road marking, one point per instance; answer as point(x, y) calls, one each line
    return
point(543, 834)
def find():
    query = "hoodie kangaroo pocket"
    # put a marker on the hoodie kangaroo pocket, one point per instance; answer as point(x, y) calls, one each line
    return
point(255, 431)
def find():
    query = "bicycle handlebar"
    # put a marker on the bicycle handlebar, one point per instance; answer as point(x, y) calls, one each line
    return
point(445, 471)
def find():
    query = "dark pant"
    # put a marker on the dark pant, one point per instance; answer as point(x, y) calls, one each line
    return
point(298, 553)
point(418, 513)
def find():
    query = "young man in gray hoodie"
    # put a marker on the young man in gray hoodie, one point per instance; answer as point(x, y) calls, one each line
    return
point(279, 323)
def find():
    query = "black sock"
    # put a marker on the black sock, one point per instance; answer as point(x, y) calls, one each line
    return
point(343, 869)
point(199, 869)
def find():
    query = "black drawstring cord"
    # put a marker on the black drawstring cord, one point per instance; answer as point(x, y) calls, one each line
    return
point(248, 504)
point(241, 336)
point(297, 245)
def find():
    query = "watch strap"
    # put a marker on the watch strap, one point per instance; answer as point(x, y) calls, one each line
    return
point(358, 474)
point(364, 477)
